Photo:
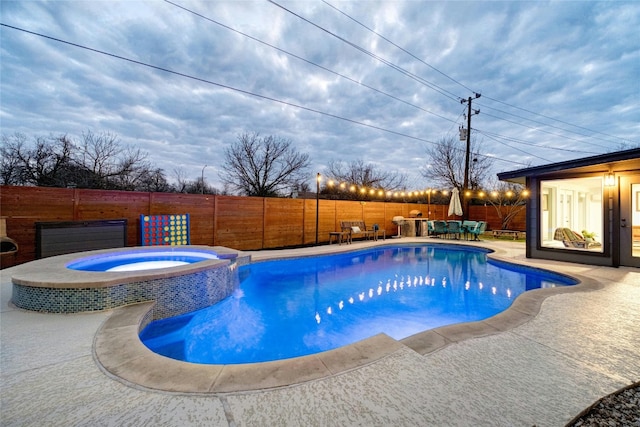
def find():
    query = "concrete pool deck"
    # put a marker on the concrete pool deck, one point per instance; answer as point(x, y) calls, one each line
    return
point(578, 348)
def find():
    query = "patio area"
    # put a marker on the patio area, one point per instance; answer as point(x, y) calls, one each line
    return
point(580, 347)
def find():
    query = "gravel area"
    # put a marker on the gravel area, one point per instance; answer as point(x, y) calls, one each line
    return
point(621, 408)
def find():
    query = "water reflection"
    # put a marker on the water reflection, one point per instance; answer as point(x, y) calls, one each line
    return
point(295, 307)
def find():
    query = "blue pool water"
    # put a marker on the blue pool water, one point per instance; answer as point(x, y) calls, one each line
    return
point(141, 260)
point(301, 306)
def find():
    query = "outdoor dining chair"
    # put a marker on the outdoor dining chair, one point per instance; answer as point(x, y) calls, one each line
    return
point(439, 228)
point(478, 230)
point(454, 229)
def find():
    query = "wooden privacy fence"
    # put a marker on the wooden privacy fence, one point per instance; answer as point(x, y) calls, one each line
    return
point(243, 223)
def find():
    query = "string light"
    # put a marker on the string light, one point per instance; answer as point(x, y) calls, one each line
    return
point(381, 193)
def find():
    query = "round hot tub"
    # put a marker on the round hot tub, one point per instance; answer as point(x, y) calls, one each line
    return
point(179, 279)
point(139, 261)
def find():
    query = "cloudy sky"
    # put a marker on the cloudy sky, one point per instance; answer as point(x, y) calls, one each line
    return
point(377, 81)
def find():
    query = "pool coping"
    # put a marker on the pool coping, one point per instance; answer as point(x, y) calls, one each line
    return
point(121, 354)
point(51, 272)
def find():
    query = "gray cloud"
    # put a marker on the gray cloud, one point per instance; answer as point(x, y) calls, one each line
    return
point(578, 62)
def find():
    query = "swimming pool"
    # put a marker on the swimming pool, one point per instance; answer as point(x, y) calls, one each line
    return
point(296, 307)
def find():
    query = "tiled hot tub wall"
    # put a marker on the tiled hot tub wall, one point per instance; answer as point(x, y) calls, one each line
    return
point(173, 295)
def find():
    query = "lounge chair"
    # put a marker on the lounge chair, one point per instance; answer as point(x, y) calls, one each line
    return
point(572, 239)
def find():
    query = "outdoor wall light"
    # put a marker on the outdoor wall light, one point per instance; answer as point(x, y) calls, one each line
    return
point(609, 180)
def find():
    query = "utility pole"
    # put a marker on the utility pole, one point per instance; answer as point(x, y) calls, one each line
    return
point(318, 176)
point(465, 185)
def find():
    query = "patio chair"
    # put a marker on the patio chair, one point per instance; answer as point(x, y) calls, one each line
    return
point(478, 230)
point(430, 228)
point(468, 225)
point(454, 228)
point(439, 228)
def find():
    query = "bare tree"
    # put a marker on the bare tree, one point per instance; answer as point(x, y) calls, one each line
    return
point(180, 177)
point(197, 186)
point(98, 162)
point(366, 175)
point(48, 163)
point(153, 180)
point(508, 199)
point(12, 153)
point(130, 169)
point(263, 166)
point(362, 175)
point(112, 165)
point(447, 164)
point(99, 153)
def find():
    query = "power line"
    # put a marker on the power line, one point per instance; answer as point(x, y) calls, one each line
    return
point(397, 46)
point(407, 73)
point(392, 65)
point(395, 67)
point(308, 61)
point(514, 148)
point(462, 113)
point(558, 120)
point(245, 92)
point(520, 141)
point(546, 124)
point(543, 131)
point(487, 97)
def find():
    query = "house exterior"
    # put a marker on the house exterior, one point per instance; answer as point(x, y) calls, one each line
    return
point(585, 210)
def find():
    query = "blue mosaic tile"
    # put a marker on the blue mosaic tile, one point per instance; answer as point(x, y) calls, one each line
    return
point(173, 295)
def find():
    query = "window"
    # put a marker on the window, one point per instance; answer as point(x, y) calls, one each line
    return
point(571, 214)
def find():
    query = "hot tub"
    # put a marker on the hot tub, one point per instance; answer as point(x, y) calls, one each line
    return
point(179, 279)
point(135, 260)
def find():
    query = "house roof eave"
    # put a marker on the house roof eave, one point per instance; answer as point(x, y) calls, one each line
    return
point(619, 160)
